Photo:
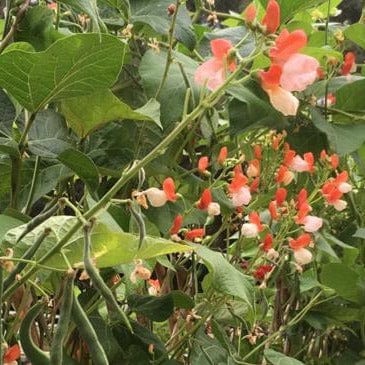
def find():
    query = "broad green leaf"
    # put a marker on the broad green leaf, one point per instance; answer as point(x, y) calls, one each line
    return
point(82, 165)
point(48, 136)
point(90, 7)
point(172, 95)
point(72, 66)
point(7, 114)
point(155, 15)
point(6, 223)
point(247, 110)
point(36, 28)
point(109, 248)
point(323, 53)
point(343, 139)
point(347, 97)
point(343, 279)
point(356, 34)
point(225, 278)
point(84, 114)
point(277, 358)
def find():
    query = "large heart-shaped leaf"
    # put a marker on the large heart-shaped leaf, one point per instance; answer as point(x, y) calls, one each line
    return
point(77, 65)
point(109, 247)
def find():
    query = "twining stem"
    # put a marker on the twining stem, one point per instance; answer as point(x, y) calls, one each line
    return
point(28, 205)
point(169, 51)
point(208, 102)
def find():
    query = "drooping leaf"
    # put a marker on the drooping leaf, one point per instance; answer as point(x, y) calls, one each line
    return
point(109, 248)
point(247, 110)
point(277, 358)
point(72, 66)
point(82, 165)
point(87, 113)
point(36, 28)
point(344, 280)
point(224, 277)
point(172, 94)
point(48, 136)
point(343, 139)
point(356, 34)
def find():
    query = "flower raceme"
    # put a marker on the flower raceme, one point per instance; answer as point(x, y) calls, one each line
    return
point(271, 19)
point(290, 71)
point(212, 73)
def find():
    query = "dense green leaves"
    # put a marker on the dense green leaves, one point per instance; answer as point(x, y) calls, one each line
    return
point(73, 66)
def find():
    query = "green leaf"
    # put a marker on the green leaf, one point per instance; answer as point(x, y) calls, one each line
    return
point(84, 114)
point(48, 136)
point(356, 34)
point(109, 247)
point(6, 223)
point(289, 8)
point(82, 165)
point(343, 279)
point(9, 147)
point(347, 97)
point(172, 95)
point(225, 278)
point(157, 309)
point(277, 358)
point(250, 111)
point(323, 53)
point(77, 65)
point(36, 28)
point(360, 233)
point(343, 139)
point(90, 7)
point(155, 15)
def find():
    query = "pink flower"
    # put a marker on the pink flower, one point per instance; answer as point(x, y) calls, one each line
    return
point(299, 71)
point(203, 164)
point(238, 189)
point(312, 223)
point(250, 13)
point(206, 203)
point(297, 163)
point(158, 197)
point(282, 100)
point(252, 228)
point(212, 73)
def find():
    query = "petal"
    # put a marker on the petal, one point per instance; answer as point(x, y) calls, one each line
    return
point(312, 223)
point(156, 197)
point(287, 44)
point(303, 256)
point(210, 73)
point(283, 101)
point(250, 13)
point(299, 71)
point(205, 200)
point(249, 230)
point(241, 197)
point(272, 17)
point(168, 187)
point(220, 48)
point(271, 77)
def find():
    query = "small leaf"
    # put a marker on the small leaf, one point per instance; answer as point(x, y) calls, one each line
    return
point(360, 233)
point(6, 223)
point(72, 66)
point(277, 358)
point(82, 165)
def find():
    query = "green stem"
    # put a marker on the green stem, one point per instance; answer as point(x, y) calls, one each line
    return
point(16, 164)
point(169, 51)
point(28, 205)
point(23, 137)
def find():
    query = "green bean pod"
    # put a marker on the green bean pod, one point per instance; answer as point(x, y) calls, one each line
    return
point(33, 352)
point(98, 281)
point(57, 357)
point(140, 222)
point(27, 255)
point(88, 333)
